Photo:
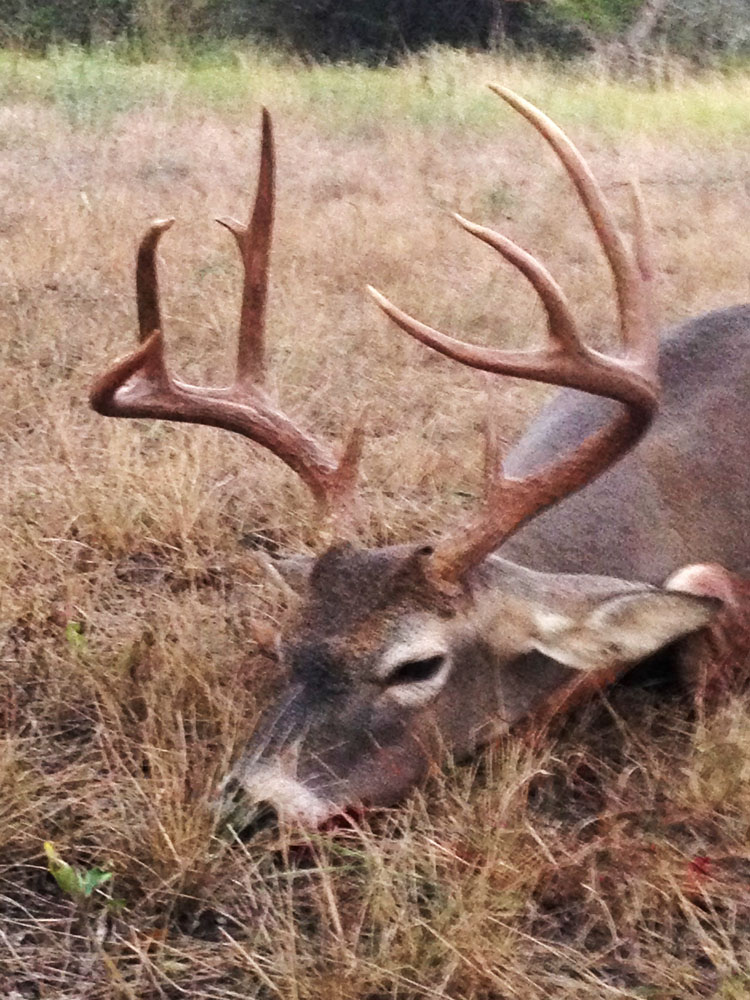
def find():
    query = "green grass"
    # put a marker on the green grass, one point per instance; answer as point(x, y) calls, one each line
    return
point(438, 89)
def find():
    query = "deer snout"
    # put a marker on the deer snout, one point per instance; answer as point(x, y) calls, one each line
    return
point(264, 793)
point(248, 818)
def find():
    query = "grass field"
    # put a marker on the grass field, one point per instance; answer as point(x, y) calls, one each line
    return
point(613, 861)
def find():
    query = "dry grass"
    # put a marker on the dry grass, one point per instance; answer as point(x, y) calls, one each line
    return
point(613, 861)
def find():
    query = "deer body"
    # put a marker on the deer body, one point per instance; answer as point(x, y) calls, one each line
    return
point(679, 497)
point(393, 657)
point(682, 495)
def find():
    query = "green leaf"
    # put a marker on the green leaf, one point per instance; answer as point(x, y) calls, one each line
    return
point(74, 635)
point(69, 879)
point(93, 878)
point(64, 874)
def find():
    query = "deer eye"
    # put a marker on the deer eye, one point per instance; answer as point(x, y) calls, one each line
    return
point(414, 671)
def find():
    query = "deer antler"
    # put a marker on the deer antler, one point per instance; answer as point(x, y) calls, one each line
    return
point(631, 379)
point(140, 385)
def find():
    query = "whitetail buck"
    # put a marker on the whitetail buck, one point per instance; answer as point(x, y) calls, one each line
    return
point(396, 655)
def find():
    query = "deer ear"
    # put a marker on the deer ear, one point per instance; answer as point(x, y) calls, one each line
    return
point(295, 570)
point(623, 628)
point(290, 575)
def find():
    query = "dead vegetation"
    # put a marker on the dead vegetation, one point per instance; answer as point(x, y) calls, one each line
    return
point(611, 861)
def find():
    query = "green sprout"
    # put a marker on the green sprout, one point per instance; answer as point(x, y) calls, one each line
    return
point(79, 885)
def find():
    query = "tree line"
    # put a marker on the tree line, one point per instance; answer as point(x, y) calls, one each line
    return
point(624, 31)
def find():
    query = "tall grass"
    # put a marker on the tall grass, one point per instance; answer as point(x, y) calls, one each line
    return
point(436, 88)
point(611, 861)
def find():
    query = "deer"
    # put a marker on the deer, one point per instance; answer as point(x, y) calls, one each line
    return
point(614, 531)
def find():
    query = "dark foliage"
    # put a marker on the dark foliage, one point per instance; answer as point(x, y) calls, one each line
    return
point(377, 30)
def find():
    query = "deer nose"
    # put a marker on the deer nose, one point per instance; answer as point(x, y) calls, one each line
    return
point(245, 817)
point(264, 818)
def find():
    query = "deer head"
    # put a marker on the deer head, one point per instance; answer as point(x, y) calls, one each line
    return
point(396, 656)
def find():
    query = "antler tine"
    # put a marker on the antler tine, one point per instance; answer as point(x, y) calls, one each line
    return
point(510, 503)
point(254, 242)
point(148, 361)
point(643, 237)
point(561, 325)
point(147, 281)
point(634, 325)
point(558, 365)
point(140, 385)
point(566, 361)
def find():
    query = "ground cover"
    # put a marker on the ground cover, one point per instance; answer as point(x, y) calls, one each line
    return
point(612, 860)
